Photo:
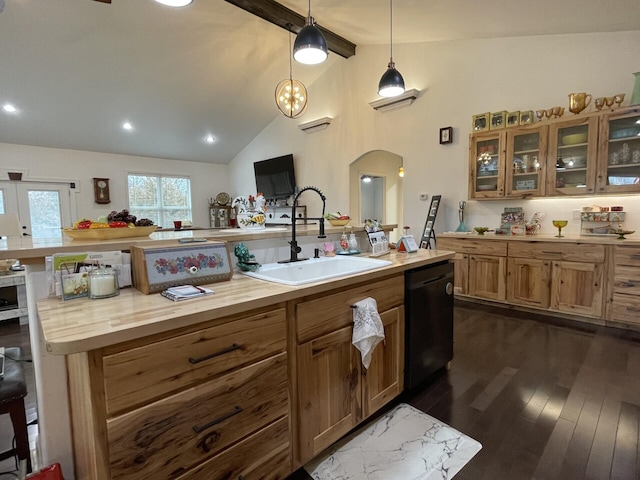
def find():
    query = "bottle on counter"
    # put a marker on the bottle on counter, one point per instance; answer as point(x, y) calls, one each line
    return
point(353, 243)
point(344, 242)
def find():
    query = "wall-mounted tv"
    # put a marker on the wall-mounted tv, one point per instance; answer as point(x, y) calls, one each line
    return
point(275, 177)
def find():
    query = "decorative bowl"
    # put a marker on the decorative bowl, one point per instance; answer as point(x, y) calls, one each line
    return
point(108, 233)
point(481, 230)
point(622, 233)
point(560, 223)
point(574, 138)
point(336, 222)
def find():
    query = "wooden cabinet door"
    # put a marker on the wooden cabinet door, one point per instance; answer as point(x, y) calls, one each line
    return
point(486, 165)
point(461, 273)
point(328, 391)
point(383, 380)
point(487, 276)
point(576, 287)
point(525, 162)
point(528, 281)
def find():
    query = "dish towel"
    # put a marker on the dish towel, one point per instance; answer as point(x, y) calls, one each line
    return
point(368, 330)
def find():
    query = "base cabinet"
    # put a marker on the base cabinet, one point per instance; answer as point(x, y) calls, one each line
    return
point(625, 304)
point(487, 277)
point(577, 288)
point(334, 391)
point(528, 282)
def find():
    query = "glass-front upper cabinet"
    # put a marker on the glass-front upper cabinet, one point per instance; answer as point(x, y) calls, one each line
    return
point(619, 153)
point(571, 163)
point(525, 166)
point(486, 165)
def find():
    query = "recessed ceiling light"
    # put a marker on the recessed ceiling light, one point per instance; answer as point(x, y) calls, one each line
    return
point(127, 126)
point(175, 3)
point(209, 139)
point(7, 107)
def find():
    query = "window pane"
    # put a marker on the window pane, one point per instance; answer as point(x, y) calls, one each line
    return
point(160, 199)
point(44, 207)
point(2, 201)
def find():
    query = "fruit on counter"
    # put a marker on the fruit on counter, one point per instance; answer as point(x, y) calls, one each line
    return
point(336, 216)
point(144, 222)
point(82, 224)
point(95, 225)
point(122, 216)
point(118, 224)
point(102, 219)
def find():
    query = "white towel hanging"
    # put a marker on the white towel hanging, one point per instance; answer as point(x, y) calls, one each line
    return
point(368, 330)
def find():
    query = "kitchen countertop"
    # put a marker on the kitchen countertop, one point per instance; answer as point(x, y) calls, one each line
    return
point(82, 324)
point(26, 248)
point(595, 239)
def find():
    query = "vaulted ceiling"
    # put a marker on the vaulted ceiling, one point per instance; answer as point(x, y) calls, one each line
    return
point(77, 69)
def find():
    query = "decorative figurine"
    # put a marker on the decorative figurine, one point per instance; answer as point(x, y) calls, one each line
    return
point(246, 261)
point(462, 227)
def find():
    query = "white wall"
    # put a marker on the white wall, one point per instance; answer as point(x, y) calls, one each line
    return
point(53, 164)
point(458, 80)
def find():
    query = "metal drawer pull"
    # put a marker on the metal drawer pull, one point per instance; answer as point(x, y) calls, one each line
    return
point(233, 347)
point(199, 429)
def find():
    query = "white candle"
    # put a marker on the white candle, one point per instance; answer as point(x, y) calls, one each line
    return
point(102, 283)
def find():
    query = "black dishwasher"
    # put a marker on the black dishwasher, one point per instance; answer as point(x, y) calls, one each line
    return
point(428, 305)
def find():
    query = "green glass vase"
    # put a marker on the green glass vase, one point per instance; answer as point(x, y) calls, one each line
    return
point(635, 96)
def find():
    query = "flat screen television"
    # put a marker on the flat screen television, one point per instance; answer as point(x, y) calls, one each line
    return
point(275, 177)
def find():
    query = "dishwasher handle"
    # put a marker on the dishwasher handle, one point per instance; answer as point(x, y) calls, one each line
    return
point(448, 289)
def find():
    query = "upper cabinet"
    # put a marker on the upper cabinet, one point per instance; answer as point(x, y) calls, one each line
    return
point(619, 153)
point(585, 154)
point(573, 145)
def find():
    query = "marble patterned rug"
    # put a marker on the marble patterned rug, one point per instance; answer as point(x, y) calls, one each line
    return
point(403, 444)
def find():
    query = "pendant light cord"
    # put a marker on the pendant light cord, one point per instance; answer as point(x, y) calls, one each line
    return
point(290, 68)
point(390, 27)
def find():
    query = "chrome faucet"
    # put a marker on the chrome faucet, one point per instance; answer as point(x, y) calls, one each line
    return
point(295, 249)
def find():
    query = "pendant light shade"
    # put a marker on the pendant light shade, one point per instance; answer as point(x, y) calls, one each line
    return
point(310, 46)
point(391, 84)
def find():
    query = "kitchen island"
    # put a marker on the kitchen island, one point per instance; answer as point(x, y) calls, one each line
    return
point(587, 278)
point(236, 383)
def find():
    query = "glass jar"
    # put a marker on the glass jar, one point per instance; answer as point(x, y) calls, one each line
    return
point(103, 283)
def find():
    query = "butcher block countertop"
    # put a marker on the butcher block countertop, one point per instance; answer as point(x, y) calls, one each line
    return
point(83, 324)
point(633, 240)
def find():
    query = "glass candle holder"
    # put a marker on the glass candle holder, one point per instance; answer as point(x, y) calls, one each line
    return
point(103, 283)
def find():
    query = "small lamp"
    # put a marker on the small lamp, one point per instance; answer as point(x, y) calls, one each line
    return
point(310, 46)
point(10, 225)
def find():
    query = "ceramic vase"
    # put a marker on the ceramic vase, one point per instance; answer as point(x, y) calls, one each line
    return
point(251, 220)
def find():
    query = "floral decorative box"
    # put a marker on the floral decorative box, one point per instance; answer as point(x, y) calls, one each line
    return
point(156, 268)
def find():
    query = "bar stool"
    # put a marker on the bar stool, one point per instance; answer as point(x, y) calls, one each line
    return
point(13, 389)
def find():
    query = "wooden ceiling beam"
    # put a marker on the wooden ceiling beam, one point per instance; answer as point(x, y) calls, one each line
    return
point(279, 15)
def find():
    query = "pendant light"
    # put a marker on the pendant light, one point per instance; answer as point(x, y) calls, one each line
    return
point(310, 46)
point(291, 95)
point(391, 84)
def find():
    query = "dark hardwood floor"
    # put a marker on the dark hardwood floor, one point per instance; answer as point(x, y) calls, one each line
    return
point(12, 334)
point(547, 399)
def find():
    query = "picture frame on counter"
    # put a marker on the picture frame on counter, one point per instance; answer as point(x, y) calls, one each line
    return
point(480, 122)
point(446, 135)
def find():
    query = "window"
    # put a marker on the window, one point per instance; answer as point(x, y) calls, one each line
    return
point(159, 198)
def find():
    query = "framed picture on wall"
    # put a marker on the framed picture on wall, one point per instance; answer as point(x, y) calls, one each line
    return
point(446, 135)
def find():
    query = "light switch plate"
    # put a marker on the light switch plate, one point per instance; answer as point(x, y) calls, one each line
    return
point(576, 214)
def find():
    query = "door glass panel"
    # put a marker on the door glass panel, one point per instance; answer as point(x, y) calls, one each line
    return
point(526, 163)
point(45, 216)
point(487, 165)
point(571, 166)
point(623, 163)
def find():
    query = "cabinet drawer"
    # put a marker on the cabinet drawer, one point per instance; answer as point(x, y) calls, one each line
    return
point(578, 252)
point(481, 247)
point(627, 280)
point(625, 308)
point(264, 455)
point(332, 312)
point(175, 434)
point(628, 256)
point(135, 376)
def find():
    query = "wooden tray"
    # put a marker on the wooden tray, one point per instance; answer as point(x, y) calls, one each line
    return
point(108, 233)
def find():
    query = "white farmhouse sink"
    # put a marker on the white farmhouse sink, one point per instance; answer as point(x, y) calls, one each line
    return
point(316, 269)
